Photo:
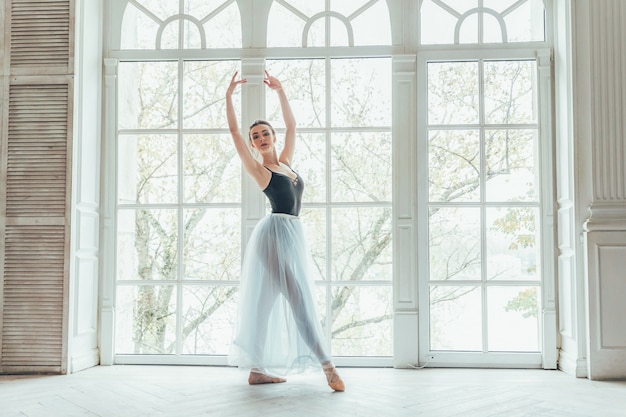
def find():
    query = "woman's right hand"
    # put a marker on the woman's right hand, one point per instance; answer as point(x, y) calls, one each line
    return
point(234, 83)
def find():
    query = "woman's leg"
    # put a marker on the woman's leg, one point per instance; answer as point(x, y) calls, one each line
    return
point(301, 302)
point(266, 299)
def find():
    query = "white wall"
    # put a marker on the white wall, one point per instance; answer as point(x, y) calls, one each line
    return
point(84, 265)
point(599, 136)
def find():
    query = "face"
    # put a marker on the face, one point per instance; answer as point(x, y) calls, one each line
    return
point(262, 137)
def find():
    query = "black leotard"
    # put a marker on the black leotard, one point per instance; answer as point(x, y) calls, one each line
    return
point(285, 194)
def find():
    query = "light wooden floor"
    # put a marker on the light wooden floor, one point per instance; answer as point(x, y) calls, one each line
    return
point(136, 391)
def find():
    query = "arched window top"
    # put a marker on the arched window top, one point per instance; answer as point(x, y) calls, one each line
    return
point(319, 23)
point(180, 24)
point(481, 21)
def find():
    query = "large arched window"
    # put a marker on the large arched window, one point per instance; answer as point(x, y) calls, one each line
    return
point(183, 208)
point(481, 22)
point(156, 25)
point(424, 142)
point(486, 193)
point(320, 24)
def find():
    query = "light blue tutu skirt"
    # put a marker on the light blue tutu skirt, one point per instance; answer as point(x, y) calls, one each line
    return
point(278, 329)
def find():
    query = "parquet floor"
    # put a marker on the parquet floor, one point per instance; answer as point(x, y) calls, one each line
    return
point(187, 391)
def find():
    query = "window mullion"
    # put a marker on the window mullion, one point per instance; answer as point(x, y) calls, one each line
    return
point(483, 210)
point(180, 212)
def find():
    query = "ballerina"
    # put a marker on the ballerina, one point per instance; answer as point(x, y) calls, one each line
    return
point(277, 329)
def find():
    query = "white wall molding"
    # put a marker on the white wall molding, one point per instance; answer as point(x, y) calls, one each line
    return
point(606, 216)
point(600, 111)
point(608, 86)
point(606, 286)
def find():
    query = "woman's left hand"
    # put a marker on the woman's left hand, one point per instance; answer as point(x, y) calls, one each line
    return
point(272, 82)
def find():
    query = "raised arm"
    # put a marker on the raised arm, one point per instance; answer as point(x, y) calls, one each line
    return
point(251, 165)
point(286, 155)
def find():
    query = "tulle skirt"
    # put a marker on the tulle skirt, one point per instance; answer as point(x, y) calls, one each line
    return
point(278, 329)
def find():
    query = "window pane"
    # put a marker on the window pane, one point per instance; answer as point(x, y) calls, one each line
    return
point(454, 165)
point(192, 35)
point(514, 316)
point(361, 167)
point(208, 319)
point(511, 165)
point(314, 223)
point(437, 25)
point(156, 25)
point(316, 36)
point(224, 22)
point(168, 38)
point(305, 85)
point(468, 29)
point(367, 20)
point(310, 162)
point(212, 244)
point(510, 92)
point(363, 322)
point(513, 243)
point(147, 244)
point(501, 21)
point(525, 22)
point(203, 91)
point(285, 28)
point(372, 26)
point(161, 8)
point(147, 169)
point(361, 92)
point(138, 30)
point(453, 96)
point(455, 318)
point(145, 319)
point(454, 243)
point(361, 244)
point(493, 30)
point(338, 32)
point(224, 29)
point(147, 94)
point(212, 169)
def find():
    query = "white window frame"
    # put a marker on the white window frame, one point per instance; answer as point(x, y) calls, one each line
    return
point(547, 357)
point(408, 77)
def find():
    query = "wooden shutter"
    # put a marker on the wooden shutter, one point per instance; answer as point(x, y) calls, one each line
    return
point(36, 169)
point(40, 36)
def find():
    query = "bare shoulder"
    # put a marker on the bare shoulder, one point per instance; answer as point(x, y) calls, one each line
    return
point(260, 174)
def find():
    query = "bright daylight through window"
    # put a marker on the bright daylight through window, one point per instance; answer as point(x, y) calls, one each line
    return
point(478, 193)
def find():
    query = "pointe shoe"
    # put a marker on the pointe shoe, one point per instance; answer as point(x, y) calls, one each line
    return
point(256, 378)
point(334, 380)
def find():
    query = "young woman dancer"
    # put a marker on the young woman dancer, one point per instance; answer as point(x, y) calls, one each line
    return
point(277, 329)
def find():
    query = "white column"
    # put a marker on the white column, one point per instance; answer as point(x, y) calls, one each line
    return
point(406, 349)
point(601, 123)
point(549, 320)
point(569, 180)
point(84, 277)
point(107, 241)
point(253, 99)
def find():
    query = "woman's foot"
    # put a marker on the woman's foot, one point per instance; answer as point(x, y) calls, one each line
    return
point(257, 378)
point(333, 378)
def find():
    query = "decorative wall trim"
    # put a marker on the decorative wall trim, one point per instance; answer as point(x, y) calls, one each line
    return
point(606, 216)
point(608, 55)
point(606, 285)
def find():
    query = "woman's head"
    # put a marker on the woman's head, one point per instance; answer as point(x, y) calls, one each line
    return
point(262, 135)
point(258, 123)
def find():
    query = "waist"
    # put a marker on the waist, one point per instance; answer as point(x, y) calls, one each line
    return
point(287, 215)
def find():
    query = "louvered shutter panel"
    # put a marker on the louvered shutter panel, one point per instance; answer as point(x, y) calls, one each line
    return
point(36, 164)
point(40, 36)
